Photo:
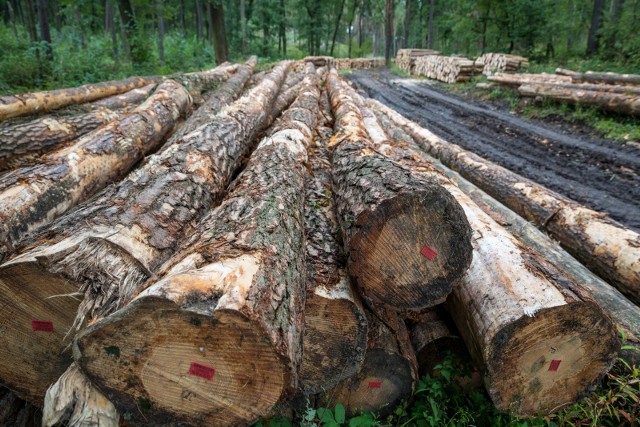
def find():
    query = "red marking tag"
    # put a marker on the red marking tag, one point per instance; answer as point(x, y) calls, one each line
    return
point(203, 371)
point(41, 326)
point(553, 367)
point(375, 384)
point(428, 253)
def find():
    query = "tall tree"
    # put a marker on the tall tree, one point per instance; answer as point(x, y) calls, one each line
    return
point(282, 27)
point(407, 23)
point(388, 30)
point(243, 26)
point(593, 40)
point(160, 13)
point(350, 27)
point(45, 33)
point(335, 31)
point(614, 22)
point(199, 20)
point(432, 8)
point(218, 32)
point(130, 26)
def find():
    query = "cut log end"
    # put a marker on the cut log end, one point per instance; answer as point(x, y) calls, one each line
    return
point(334, 341)
point(542, 362)
point(383, 382)
point(183, 364)
point(419, 241)
point(35, 321)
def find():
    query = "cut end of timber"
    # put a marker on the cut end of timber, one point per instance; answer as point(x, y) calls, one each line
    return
point(419, 242)
point(383, 382)
point(157, 362)
point(335, 342)
point(540, 363)
point(36, 312)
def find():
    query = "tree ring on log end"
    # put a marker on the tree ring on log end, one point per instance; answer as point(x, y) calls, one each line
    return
point(181, 364)
point(34, 326)
point(420, 242)
point(539, 363)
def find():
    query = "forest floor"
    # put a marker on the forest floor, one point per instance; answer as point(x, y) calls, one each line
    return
point(567, 158)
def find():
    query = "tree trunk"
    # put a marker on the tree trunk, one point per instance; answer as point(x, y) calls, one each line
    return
point(604, 246)
point(335, 336)
point(110, 23)
point(283, 28)
point(243, 24)
point(105, 253)
point(430, 25)
point(383, 208)
point(614, 22)
point(78, 18)
point(624, 313)
point(40, 102)
point(616, 102)
point(389, 374)
point(199, 24)
point(407, 23)
point(538, 336)
point(161, 31)
point(335, 30)
point(593, 40)
point(219, 34)
point(74, 397)
point(388, 30)
point(129, 24)
point(350, 28)
point(242, 275)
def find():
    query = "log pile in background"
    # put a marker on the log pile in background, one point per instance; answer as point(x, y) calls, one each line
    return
point(448, 69)
point(406, 58)
point(211, 303)
point(339, 63)
point(502, 63)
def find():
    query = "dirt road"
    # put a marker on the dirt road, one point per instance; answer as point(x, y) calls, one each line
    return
point(598, 173)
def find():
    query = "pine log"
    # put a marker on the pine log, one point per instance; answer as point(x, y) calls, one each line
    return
point(620, 103)
point(565, 72)
point(73, 397)
point(127, 99)
point(521, 79)
point(389, 374)
point(335, 327)
point(604, 246)
point(624, 313)
point(97, 257)
point(203, 81)
point(241, 276)
point(608, 78)
point(39, 102)
point(31, 197)
point(407, 238)
point(540, 339)
point(627, 90)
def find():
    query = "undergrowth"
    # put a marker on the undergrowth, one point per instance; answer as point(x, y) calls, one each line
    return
point(441, 400)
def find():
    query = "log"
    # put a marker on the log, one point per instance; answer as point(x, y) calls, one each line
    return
point(501, 62)
point(389, 374)
point(540, 339)
point(606, 247)
point(623, 312)
point(40, 102)
point(241, 276)
point(627, 90)
point(448, 69)
point(520, 79)
point(608, 78)
point(335, 337)
point(127, 99)
point(203, 81)
point(96, 258)
point(32, 197)
point(73, 397)
point(620, 103)
point(407, 238)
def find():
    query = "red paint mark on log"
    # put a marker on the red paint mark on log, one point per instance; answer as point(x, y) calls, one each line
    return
point(375, 384)
point(42, 326)
point(203, 371)
point(553, 367)
point(428, 253)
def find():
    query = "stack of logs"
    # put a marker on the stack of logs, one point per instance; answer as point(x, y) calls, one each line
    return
point(289, 245)
point(502, 63)
point(618, 93)
point(448, 69)
point(338, 63)
point(406, 58)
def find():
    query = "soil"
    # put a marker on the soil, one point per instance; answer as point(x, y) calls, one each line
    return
point(599, 173)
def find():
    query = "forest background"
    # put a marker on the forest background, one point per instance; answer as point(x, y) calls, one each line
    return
point(47, 44)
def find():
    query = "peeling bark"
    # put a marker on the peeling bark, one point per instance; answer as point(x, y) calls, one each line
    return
point(537, 335)
point(407, 238)
point(241, 275)
point(97, 257)
point(606, 247)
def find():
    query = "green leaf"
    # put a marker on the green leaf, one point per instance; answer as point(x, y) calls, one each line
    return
point(339, 413)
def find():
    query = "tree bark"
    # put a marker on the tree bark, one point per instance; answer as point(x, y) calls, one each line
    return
point(607, 78)
point(385, 209)
point(242, 275)
point(161, 31)
point(593, 39)
point(106, 250)
point(538, 336)
point(39, 102)
point(430, 25)
point(335, 337)
point(219, 35)
point(624, 313)
point(604, 246)
point(407, 23)
point(199, 22)
point(389, 374)
point(620, 103)
point(520, 79)
point(388, 30)
point(129, 25)
point(335, 30)
point(243, 25)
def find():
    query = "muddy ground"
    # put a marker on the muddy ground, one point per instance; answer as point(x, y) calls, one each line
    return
point(599, 173)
